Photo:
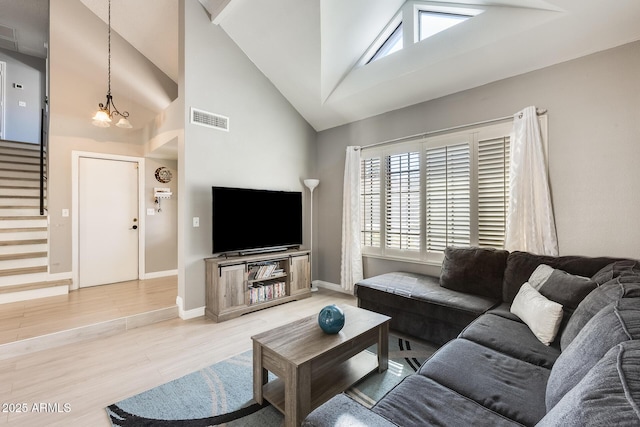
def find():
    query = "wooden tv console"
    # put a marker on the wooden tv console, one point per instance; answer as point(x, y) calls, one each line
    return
point(242, 284)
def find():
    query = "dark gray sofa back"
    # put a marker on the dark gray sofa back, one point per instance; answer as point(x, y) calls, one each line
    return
point(520, 265)
point(477, 271)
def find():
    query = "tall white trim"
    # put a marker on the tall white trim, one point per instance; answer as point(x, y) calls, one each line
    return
point(3, 98)
point(75, 230)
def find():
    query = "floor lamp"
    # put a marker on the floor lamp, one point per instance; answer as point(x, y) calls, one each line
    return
point(311, 184)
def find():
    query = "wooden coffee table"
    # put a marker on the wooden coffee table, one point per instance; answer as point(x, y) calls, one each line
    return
point(313, 366)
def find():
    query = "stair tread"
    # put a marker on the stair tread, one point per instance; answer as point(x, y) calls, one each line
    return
point(23, 270)
point(23, 242)
point(22, 229)
point(24, 255)
point(19, 178)
point(22, 217)
point(17, 196)
point(19, 207)
point(34, 285)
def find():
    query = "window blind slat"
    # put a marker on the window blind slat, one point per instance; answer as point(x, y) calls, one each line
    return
point(493, 193)
point(402, 218)
point(370, 202)
point(448, 197)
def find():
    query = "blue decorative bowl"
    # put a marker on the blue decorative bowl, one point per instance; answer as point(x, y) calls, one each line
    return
point(331, 319)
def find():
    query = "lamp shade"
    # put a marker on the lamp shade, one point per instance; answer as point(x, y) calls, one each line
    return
point(124, 123)
point(101, 119)
point(311, 183)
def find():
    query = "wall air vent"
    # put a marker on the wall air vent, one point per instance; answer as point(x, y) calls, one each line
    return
point(210, 120)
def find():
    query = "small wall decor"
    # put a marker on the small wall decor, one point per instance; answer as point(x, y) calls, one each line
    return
point(163, 175)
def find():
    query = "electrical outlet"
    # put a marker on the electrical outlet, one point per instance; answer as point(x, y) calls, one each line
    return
point(151, 211)
point(22, 104)
point(196, 221)
point(65, 212)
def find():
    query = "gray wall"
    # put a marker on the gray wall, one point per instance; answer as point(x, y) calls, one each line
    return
point(269, 146)
point(23, 123)
point(594, 130)
point(161, 228)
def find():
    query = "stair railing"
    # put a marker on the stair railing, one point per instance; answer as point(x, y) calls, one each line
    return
point(43, 151)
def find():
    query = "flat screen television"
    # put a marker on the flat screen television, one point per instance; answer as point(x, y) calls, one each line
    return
point(247, 219)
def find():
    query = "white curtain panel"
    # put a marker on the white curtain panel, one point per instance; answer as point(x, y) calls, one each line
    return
point(530, 222)
point(351, 262)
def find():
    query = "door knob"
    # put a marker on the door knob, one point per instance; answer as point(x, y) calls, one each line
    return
point(135, 227)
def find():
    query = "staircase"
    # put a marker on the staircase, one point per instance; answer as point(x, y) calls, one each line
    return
point(23, 231)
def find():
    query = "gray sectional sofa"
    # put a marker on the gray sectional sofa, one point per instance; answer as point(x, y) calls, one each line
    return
point(497, 370)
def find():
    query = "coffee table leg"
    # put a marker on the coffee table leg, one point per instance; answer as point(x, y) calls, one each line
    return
point(297, 394)
point(260, 375)
point(383, 347)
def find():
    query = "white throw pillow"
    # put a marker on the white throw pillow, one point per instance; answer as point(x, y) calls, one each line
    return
point(540, 314)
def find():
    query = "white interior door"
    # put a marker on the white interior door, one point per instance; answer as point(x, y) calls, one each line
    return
point(108, 221)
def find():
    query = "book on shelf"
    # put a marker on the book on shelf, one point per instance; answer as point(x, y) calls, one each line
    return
point(262, 292)
point(265, 270)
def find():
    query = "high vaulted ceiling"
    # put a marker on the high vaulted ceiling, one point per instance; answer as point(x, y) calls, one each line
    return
point(309, 49)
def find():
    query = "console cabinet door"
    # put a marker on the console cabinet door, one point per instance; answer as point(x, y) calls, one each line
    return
point(231, 287)
point(300, 274)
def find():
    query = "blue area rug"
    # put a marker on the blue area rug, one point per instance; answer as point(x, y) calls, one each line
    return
point(223, 393)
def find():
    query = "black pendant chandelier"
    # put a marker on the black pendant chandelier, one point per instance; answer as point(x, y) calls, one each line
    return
point(108, 111)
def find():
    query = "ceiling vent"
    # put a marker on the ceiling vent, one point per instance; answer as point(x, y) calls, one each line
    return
point(210, 120)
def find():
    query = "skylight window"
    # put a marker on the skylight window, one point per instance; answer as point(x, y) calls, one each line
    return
point(431, 23)
point(414, 22)
point(393, 44)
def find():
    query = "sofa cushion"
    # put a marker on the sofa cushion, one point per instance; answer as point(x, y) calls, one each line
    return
point(419, 306)
point(615, 269)
point(420, 401)
point(476, 271)
point(608, 395)
point(426, 288)
point(540, 314)
point(506, 385)
point(511, 337)
point(623, 286)
point(616, 323)
point(341, 410)
point(520, 265)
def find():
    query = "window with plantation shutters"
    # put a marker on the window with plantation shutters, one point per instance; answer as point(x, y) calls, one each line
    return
point(370, 202)
point(448, 197)
point(402, 201)
point(447, 190)
point(493, 191)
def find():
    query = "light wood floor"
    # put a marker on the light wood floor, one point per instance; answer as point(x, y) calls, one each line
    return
point(28, 319)
point(91, 375)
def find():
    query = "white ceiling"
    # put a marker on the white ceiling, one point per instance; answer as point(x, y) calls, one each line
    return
point(308, 49)
point(25, 24)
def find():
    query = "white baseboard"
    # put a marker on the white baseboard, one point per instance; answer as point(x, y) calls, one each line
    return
point(60, 276)
point(158, 274)
point(330, 286)
point(188, 314)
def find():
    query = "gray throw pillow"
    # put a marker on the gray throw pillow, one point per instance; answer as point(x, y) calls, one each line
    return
point(616, 323)
point(477, 271)
point(567, 289)
point(609, 395)
point(621, 287)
